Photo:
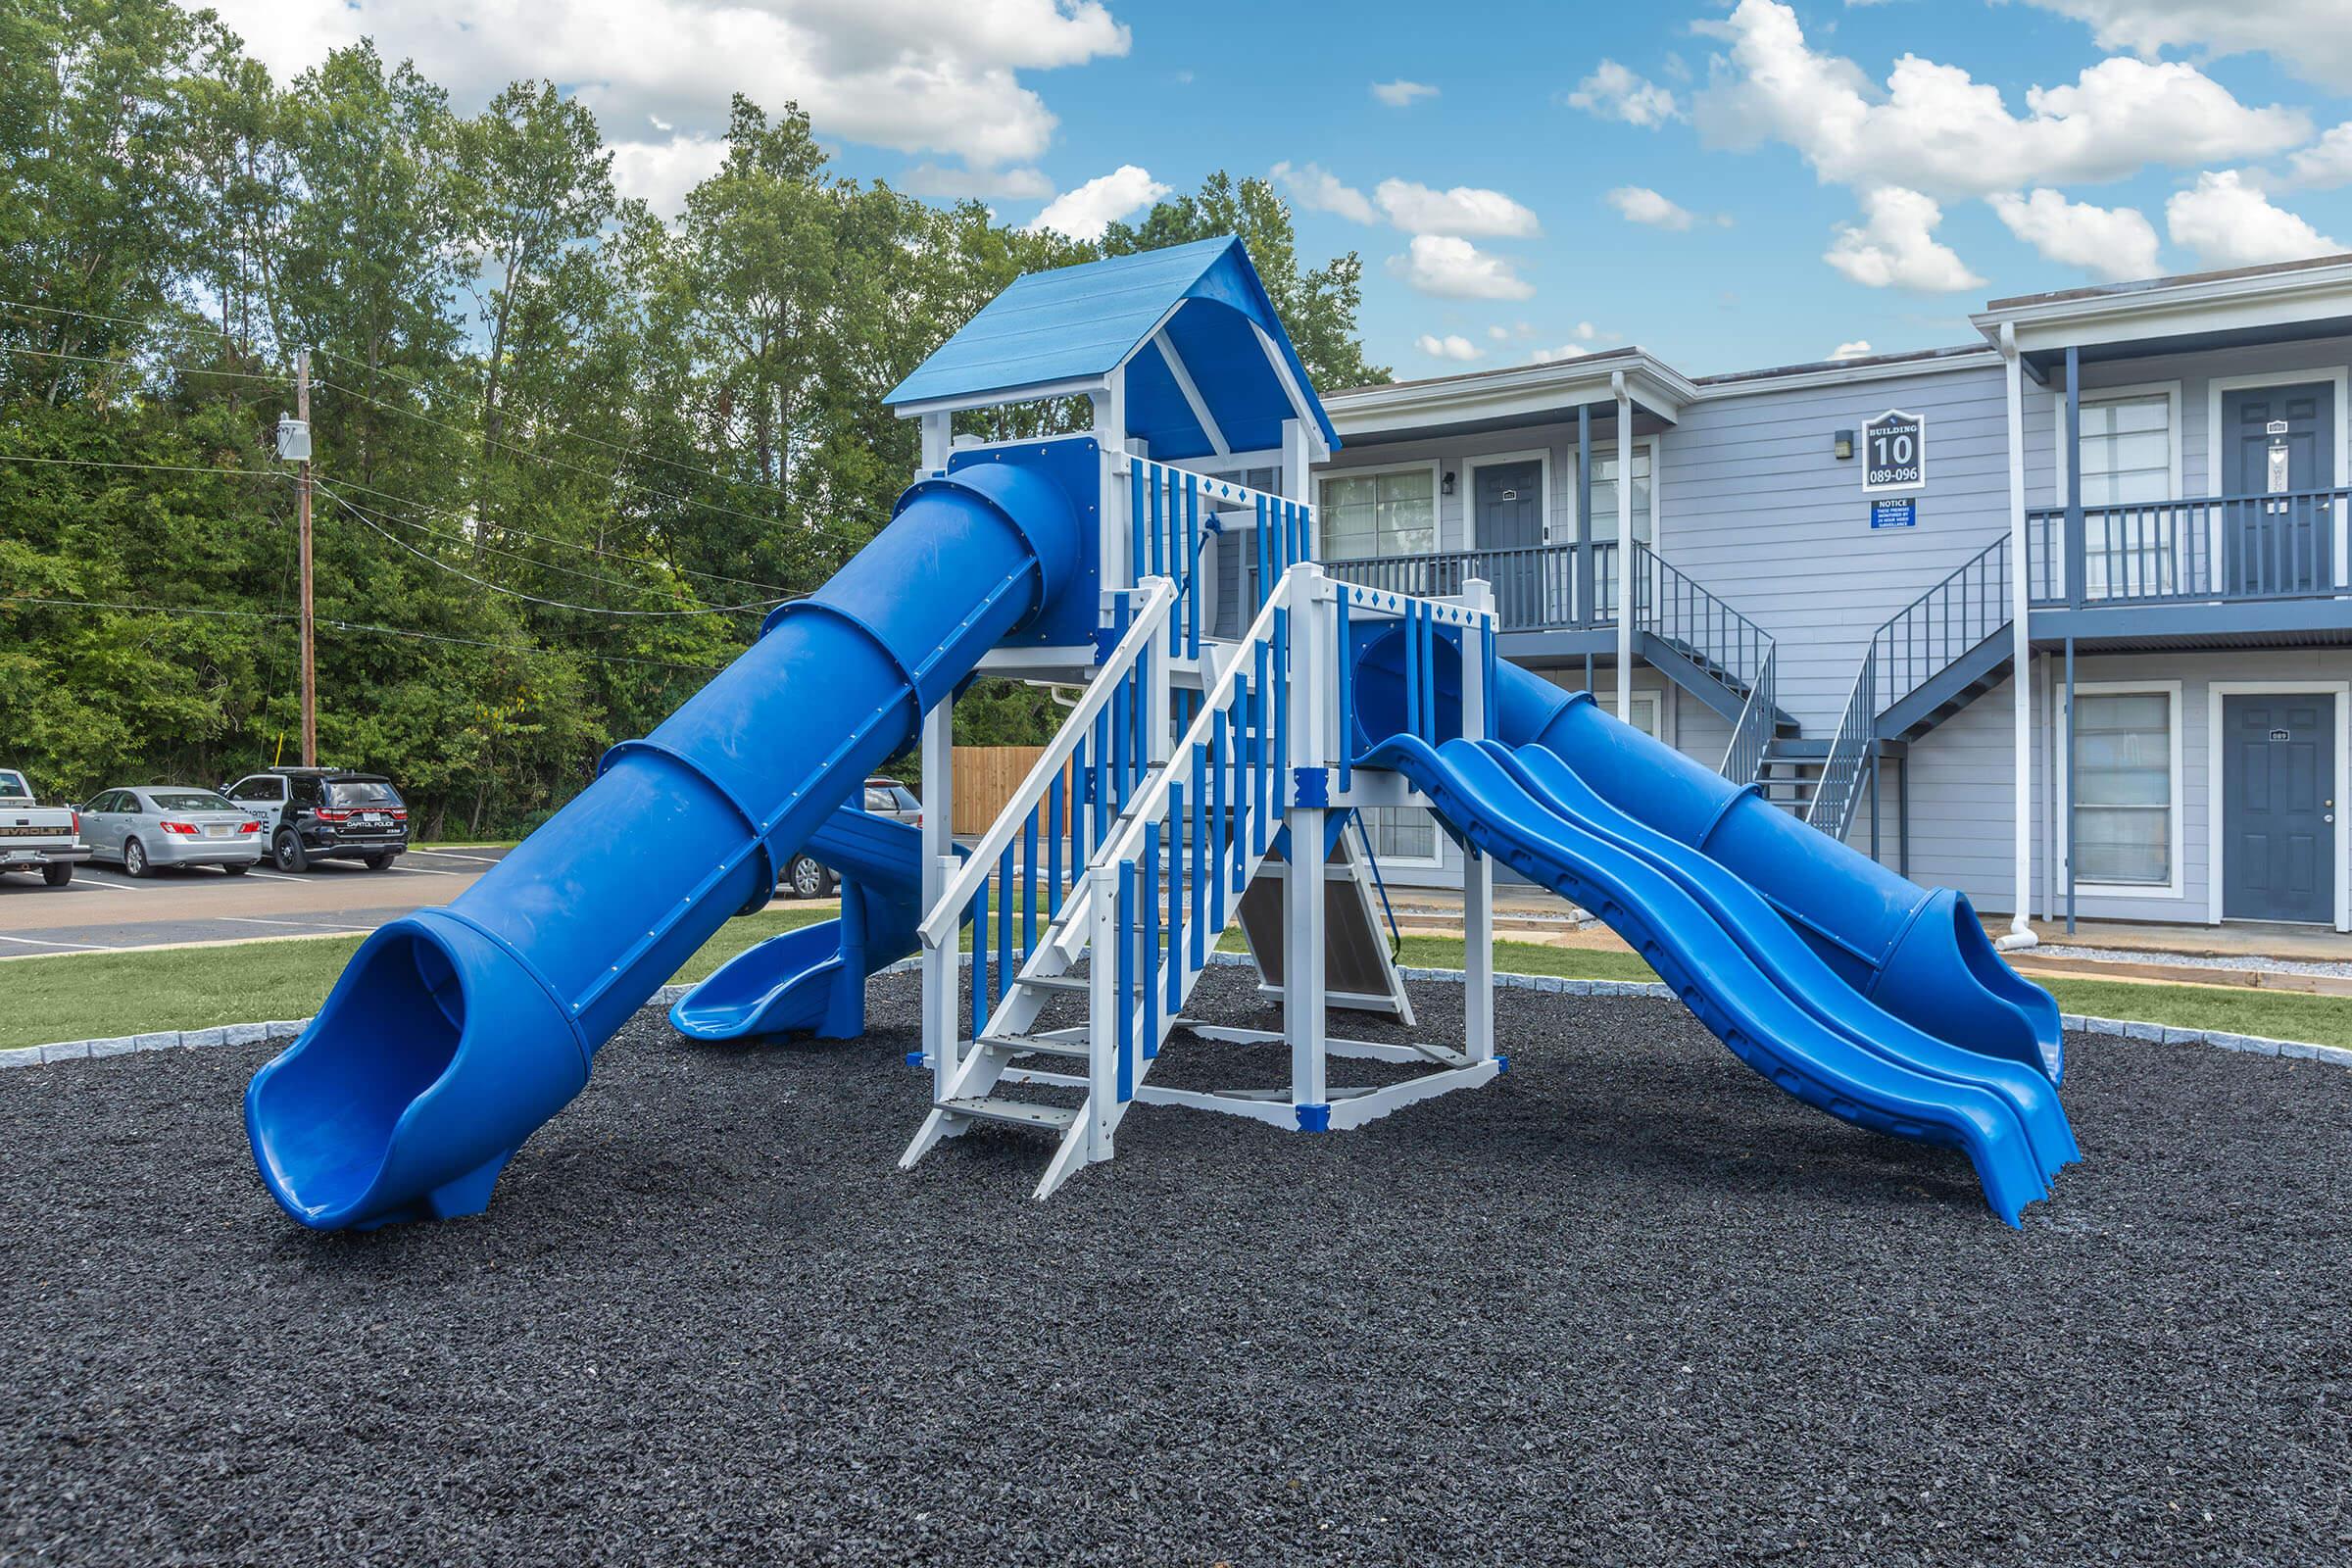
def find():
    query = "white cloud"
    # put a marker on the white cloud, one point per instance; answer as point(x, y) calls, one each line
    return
point(1858, 349)
point(1640, 204)
point(2312, 38)
point(987, 184)
point(908, 75)
point(1500, 334)
point(1453, 346)
point(1614, 92)
point(2114, 242)
point(2226, 222)
point(1465, 210)
point(1566, 351)
point(1319, 190)
point(1933, 128)
point(1453, 269)
point(2325, 163)
point(662, 173)
point(1400, 93)
point(1896, 245)
point(1085, 212)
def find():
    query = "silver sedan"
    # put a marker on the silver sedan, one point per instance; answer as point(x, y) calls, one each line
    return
point(170, 824)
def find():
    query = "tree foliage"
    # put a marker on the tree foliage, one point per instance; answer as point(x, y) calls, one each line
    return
point(569, 453)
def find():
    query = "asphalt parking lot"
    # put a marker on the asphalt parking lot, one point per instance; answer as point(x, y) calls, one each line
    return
point(101, 909)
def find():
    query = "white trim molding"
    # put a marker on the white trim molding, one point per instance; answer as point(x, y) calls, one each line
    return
point(1486, 460)
point(2216, 840)
point(2170, 690)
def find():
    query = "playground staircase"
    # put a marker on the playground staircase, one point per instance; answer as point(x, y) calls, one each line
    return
point(1129, 870)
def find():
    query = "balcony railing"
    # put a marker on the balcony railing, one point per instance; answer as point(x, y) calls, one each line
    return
point(2285, 546)
point(1539, 588)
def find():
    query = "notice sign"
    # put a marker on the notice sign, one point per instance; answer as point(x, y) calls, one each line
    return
point(1903, 513)
point(1894, 452)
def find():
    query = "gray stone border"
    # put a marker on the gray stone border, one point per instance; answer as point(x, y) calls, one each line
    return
point(251, 1033)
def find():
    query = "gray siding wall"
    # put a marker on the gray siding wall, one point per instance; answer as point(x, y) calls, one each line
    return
point(1757, 507)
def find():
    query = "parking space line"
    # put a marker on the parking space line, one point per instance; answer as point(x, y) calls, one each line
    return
point(275, 876)
point(445, 854)
point(306, 925)
point(422, 870)
point(45, 942)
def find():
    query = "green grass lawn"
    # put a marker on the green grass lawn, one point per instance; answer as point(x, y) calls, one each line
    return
point(95, 995)
point(98, 996)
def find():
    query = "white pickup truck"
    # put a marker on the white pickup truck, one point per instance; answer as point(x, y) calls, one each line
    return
point(37, 837)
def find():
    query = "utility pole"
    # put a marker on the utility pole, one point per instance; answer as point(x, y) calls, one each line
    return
point(302, 494)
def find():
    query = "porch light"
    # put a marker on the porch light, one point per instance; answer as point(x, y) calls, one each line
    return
point(1842, 445)
point(1446, 485)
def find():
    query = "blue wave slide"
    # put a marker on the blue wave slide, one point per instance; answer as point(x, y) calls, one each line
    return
point(456, 1032)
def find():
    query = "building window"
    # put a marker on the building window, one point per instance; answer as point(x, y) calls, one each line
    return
point(1400, 834)
point(1604, 494)
point(2132, 538)
point(1390, 514)
point(2127, 451)
point(2124, 785)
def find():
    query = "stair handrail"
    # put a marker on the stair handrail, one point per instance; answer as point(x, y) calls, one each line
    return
point(1967, 605)
point(1839, 788)
point(1734, 642)
point(945, 917)
point(1759, 718)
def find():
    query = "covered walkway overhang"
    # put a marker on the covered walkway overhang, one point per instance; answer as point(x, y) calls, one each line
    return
point(2244, 306)
point(1487, 402)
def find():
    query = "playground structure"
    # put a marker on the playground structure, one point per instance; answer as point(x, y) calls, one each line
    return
point(1199, 782)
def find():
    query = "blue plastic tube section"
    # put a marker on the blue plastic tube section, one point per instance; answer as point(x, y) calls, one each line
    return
point(456, 1032)
point(1919, 954)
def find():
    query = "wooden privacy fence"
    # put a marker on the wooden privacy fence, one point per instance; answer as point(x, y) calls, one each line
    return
point(986, 777)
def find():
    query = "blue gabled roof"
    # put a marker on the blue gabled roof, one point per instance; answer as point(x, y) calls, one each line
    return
point(1079, 322)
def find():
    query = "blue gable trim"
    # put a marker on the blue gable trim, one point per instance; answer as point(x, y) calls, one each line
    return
point(1081, 323)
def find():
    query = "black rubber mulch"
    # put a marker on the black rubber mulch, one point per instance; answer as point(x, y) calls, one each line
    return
point(1627, 1306)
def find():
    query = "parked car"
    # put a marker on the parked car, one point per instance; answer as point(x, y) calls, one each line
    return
point(151, 825)
point(324, 814)
point(37, 837)
point(804, 878)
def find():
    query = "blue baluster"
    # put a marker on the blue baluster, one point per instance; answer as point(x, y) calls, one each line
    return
point(1213, 860)
point(1177, 865)
point(1264, 543)
point(1346, 697)
point(1004, 888)
point(1413, 669)
point(1258, 778)
point(1159, 566)
point(980, 961)
point(1150, 954)
point(1128, 963)
point(1192, 565)
point(1135, 516)
point(1203, 824)
point(1029, 885)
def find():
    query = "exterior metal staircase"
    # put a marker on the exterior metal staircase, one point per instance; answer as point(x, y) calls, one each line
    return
point(1924, 662)
point(1702, 644)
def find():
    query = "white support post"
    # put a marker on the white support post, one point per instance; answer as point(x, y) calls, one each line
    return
point(1297, 467)
point(1628, 593)
point(2021, 655)
point(1303, 991)
point(1478, 871)
point(1102, 1006)
point(939, 439)
point(942, 965)
point(1110, 435)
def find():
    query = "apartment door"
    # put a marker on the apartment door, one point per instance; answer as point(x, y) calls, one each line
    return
point(2279, 793)
point(2277, 445)
point(1508, 516)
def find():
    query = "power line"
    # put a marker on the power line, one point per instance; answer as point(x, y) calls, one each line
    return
point(130, 365)
point(364, 626)
point(536, 599)
point(151, 467)
point(566, 544)
point(147, 323)
point(599, 474)
point(580, 435)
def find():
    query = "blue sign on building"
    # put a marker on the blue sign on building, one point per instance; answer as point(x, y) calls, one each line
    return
point(1903, 513)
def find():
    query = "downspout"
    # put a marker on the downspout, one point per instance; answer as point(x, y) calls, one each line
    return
point(2021, 655)
point(1627, 589)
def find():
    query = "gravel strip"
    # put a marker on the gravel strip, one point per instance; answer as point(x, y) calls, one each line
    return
point(2194, 960)
point(1627, 1304)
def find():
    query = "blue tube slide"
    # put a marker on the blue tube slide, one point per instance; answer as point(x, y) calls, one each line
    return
point(1695, 944)
point(456, 1032)
point(812, 980)
point(1917, 953)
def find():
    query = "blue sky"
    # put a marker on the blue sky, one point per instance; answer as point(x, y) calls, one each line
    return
point(1729, 187)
